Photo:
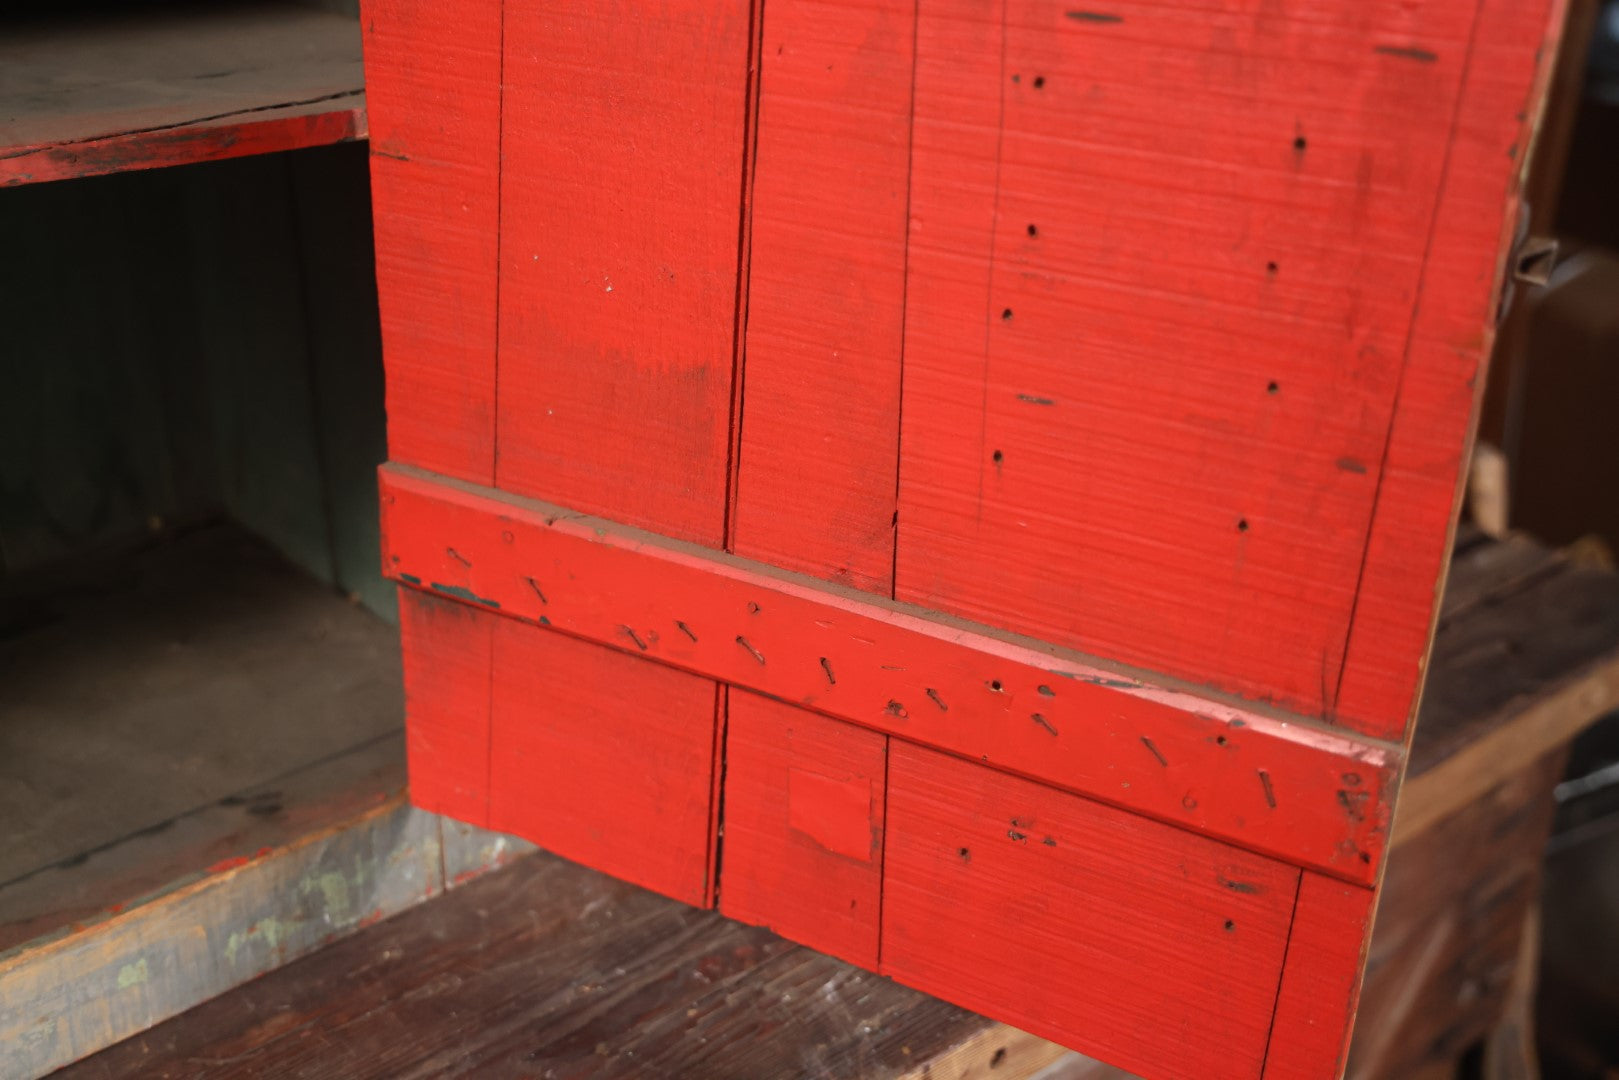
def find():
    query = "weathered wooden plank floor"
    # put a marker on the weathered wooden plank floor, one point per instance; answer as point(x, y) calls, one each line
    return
point(547, 969)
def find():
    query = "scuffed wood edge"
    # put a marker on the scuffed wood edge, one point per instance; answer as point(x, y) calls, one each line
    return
point(339, 118)
point(73, 995)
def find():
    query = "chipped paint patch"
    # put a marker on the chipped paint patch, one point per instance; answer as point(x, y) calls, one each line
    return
point(272, 930)
point(334, 892)
point(461, 592)
point(133, 974)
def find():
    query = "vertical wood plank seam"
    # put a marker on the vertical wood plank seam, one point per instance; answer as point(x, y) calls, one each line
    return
point(904, 299)
point(753, 79)
point(500, 231)
point(882, 855)
point(1281, 974)
point(716, 796)
point(989, 273)
point(1329, 709)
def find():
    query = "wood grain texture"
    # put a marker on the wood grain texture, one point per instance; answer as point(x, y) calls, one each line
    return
point(621, 202)
point(803, 842)
point(173, 85)
point(602, 758)
point(113, 879)
point(448, 649)
point(1521, 673)
point(1315, 1007)
point(548, 968)
point(1269, 784)
point(826, 291)
point(85, 990)
point(433, 90)
point(1151, 360)
point(1166, 947)
point(1450, 339)
point(1484, 571)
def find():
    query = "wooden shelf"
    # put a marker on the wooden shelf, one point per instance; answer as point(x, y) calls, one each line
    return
point(174, 84)
point(138, 690)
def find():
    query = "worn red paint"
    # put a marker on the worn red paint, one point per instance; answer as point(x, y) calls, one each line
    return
point(1258, 780)
point(967, 309)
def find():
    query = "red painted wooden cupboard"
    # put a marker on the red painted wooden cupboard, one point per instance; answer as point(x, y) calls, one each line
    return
point(961, 482)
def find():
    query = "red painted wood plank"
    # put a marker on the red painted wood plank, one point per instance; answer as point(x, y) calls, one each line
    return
point(447, 654)
point(804, 826)
point(1269, 784)
point(621, 211)
point(602, 758)
point(258, 132)
point(820, 426)
point(1153, 340)
point(1450, 343)
point(1150, 948)
point(1315, 1009)
point(622, 185)
point(433, 91)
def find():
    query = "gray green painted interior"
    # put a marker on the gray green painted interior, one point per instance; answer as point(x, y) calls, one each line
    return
point(191, 342)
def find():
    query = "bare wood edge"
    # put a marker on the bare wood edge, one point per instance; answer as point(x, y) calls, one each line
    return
point(191, 887)
point(1485, 762)
point(332, 119)
point(995, 1050)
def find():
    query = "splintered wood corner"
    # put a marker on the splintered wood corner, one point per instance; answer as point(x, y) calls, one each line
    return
point(963, 484)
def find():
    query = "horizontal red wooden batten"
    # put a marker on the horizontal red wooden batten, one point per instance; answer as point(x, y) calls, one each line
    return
point(1305, 794)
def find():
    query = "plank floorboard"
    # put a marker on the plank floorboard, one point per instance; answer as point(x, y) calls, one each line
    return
point(548, 969)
